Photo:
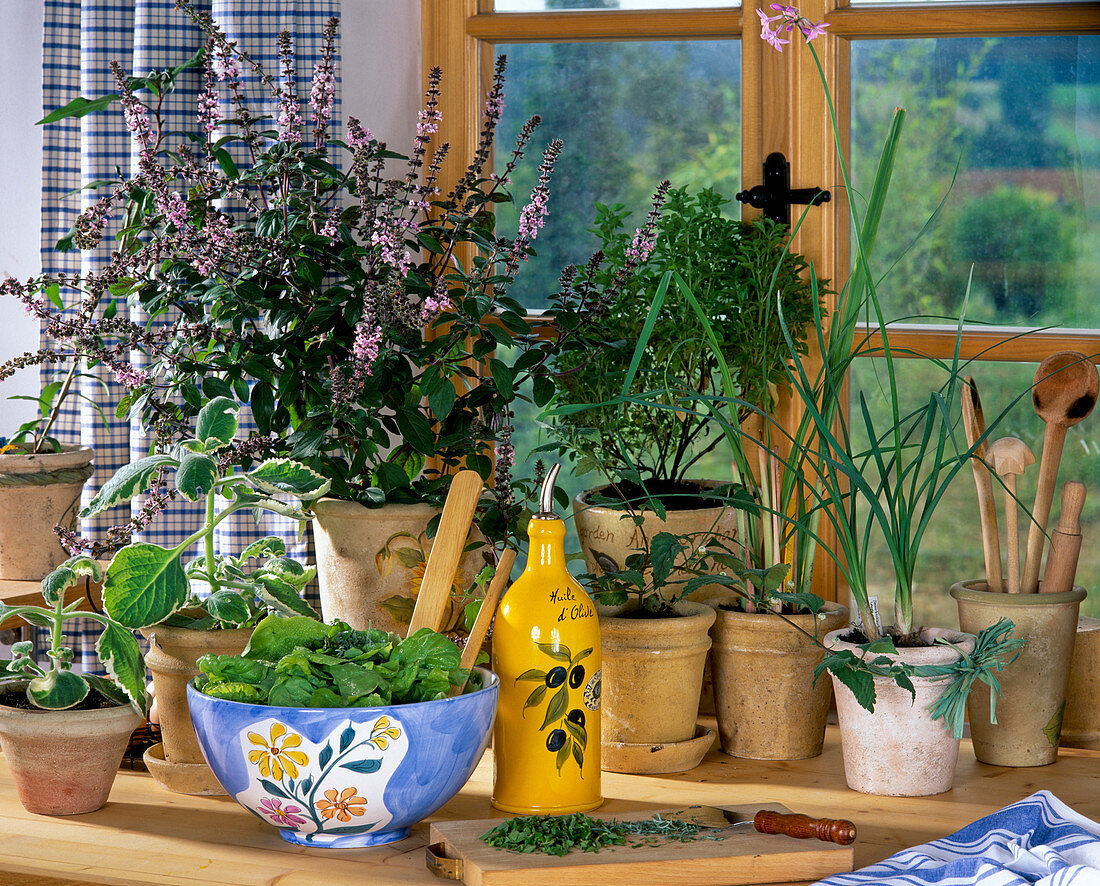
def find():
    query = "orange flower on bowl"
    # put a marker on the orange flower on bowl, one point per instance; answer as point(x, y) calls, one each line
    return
point(343, 806)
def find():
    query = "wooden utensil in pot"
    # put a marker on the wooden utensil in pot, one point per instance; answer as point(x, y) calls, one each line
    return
point(1010, 456)
point(447, 550)
point(974, 428)
point(1065, 541)
point(1064, 393)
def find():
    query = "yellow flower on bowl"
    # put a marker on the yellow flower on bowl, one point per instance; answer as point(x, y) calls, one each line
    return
point(273, 756)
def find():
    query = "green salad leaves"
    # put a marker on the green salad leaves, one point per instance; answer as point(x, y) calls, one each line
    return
point(300, 662)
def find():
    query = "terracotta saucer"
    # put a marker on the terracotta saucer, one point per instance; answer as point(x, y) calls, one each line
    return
point(182, 778)
point(676, 756)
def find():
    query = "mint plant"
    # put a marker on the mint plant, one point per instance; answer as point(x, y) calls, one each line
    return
point(56, 687)
point(146, 584)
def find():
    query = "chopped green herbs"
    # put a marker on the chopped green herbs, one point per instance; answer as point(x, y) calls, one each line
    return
point(562, 834)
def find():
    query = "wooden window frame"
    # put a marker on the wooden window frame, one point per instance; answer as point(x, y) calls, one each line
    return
point(454, 32)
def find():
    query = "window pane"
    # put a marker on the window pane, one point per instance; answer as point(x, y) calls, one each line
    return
point(556, 5)
point(630, 114)
point(1021, 117)
point(952, 547)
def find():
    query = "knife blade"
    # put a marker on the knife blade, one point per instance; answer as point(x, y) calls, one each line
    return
point(766, 821)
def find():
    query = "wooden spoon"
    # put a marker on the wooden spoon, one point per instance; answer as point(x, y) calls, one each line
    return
point(447, 550)
point(485, 614)
point(1065, 542)
point(1064, 393)
point(974, 427)
point(1010, 457)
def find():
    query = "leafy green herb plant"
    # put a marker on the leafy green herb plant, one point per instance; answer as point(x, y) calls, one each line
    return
point(299, 662)
point(733, 267)
point(146, 584)
point(56, 686)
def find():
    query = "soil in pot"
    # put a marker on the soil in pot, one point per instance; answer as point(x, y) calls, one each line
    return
point(767, 704)
point(899, 750)
point(64, 762)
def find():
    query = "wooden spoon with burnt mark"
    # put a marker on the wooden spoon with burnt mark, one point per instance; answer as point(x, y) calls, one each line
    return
point(1064, 393)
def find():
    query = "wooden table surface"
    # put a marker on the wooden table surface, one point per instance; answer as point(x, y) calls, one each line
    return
point(146, 835)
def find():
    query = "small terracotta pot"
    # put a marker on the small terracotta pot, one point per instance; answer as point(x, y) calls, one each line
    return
point(38, 492)
point(768, 706)
point(366, 556)
point(1081, 725)
point(899, 750)
point(652, 674)
point(64, 762)
point(171, 660)
point(1030, 713)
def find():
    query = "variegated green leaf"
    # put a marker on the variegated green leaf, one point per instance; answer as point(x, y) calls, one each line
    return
point(57, 691)
point(217, 423)
point(264, 547)
point(196, 475)
point(121, 656)
point(144, 585)
point(128, 481)
point(283, 598)
point(285, 475)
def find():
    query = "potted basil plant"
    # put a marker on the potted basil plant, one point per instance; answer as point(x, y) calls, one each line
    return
point(211, 603)
point(64, 734)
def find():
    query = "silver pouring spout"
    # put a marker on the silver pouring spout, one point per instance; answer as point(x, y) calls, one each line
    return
point(546, 495)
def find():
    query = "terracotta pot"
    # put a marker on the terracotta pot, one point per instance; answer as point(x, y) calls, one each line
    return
point(608, 535)
point(171, 660)
point(768, 706)
point(1029, 716)
point(366, 556)
point(64, 762)
point(652, 674)
point(38, 492)
point(1081, 725)
point(899, 750)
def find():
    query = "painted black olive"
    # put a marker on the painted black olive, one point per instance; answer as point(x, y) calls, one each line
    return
point(556, 677)
point(555, 740)
point(576, 677)
point(576, 716)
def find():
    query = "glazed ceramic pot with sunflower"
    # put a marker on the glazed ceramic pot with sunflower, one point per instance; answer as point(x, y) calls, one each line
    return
point(370, 562)
point(345, 777)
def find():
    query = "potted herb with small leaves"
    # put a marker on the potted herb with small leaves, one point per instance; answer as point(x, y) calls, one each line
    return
point(642, 344)
point(64, 733)
point(211, 603)
point(654, 645)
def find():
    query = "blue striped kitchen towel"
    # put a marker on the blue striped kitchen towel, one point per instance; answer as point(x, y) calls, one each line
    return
point(1038, 840)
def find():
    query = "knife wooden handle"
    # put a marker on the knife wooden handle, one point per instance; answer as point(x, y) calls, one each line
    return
point(831, 830)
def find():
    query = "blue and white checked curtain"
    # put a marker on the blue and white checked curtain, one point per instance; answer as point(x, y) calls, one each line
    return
point(81, 37)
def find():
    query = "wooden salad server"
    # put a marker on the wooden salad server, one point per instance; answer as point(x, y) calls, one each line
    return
point(974, 427)
point(1010, 457)
point(766, 821)
point(485, 614)
point(1065, 541)
point(1064, 393)
point(447, 550)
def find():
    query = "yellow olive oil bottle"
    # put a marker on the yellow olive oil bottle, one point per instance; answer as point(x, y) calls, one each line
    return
point(546, 653)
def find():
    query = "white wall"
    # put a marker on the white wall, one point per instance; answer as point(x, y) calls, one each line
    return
point(380, 45)
point(20, 190)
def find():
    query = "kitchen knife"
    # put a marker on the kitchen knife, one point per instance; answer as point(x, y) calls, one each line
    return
point(830, 830)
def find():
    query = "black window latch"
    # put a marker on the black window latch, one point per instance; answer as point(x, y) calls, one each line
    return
point(776, 195)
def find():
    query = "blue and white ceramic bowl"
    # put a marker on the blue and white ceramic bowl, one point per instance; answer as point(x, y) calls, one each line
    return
point(345, 777)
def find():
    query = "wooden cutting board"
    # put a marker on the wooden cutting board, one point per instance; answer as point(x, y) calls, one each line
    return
point(742, 856)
